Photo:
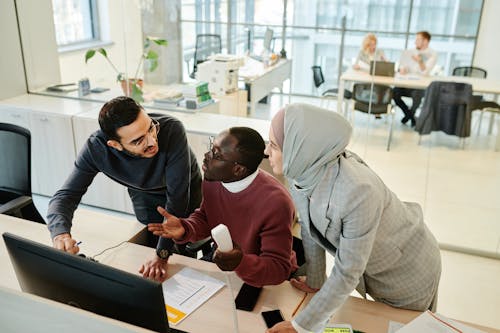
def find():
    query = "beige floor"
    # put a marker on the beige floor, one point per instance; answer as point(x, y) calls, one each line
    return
point(459, 191)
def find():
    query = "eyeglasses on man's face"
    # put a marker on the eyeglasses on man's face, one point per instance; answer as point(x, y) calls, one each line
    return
point(153, 131)
point(214, 154)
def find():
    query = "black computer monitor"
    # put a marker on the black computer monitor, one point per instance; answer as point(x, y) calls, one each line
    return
point(80, 282)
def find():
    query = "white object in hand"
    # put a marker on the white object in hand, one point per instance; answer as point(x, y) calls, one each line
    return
point(222, 237)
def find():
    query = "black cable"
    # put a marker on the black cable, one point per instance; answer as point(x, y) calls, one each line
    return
point(109, 248)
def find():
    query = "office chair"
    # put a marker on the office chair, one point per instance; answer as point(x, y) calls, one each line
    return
point(380, 97)
point(446, 108)
point(478, 101)
point(206, 45)
point(328, 94)
point(15, 173)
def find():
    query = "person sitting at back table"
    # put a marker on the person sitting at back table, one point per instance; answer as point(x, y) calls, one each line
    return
point(255, 207)
point(422, 61)
point(368, 53)
point(149, 155)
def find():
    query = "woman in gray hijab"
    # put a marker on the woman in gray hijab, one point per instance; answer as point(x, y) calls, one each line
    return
point(381, 245)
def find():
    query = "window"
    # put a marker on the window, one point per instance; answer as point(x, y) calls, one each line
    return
point(75, 21)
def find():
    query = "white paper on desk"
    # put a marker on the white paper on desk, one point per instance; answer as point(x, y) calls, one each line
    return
point(186, 291)
point(394, 326)
point(427, 322)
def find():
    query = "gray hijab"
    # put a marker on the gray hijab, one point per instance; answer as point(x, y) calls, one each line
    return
point(314, 138)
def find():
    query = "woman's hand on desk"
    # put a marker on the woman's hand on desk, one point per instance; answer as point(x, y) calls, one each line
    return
point(300, 283)
point(170, 228)
point(282, 327)
point(155, 269)
point(65, 243)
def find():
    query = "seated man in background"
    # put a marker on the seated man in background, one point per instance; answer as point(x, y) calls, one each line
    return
point(255, 207)
point(419, 61)
point(148, 155)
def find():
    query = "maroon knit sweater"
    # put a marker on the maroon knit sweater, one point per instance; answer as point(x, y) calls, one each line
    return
point(259, 219)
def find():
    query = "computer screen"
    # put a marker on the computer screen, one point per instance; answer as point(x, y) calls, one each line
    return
point(268, 37)
point(89, 285)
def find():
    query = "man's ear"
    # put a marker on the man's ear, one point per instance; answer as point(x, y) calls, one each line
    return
point(115, 144)
point(240, 170)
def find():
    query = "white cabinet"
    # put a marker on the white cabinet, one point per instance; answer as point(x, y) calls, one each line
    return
point(103, 192)
point(15, 116)
point(53, 151)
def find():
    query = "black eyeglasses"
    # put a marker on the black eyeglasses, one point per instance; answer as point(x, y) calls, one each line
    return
point(153, 131)
point(213, 154)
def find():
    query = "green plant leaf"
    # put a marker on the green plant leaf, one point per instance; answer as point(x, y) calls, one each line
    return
point(103, 52)
point(89, 54)
point(137, 93)
point(159, 41)
point(151, 55)
point(120, 77)
point(152, 64)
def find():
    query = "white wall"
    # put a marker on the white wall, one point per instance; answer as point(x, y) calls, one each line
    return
point(11, 65)
point(486, 55)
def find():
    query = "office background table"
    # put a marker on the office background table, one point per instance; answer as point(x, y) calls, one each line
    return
point(263, 80)
point(486, 86)
point(213, 316)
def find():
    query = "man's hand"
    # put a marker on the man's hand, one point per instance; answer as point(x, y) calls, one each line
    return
point(170, 228)
point(65, 243)
point(300, 283)
point(155, 269)
point(228, 261)
point(282, 327)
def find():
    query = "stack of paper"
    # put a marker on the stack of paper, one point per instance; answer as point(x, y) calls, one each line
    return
point(186, 291)
point(435, 323)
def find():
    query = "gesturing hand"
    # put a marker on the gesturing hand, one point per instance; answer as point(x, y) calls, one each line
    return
point(228, 261)
point(170, 228)
point(65, 243)
point(154, 269)
point(282, 327)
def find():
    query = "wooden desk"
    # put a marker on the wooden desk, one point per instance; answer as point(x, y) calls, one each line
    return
point(486, 86)
point(262, 80)
point(214, 315)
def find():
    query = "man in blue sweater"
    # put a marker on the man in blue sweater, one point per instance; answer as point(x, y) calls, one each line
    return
point(149, 155)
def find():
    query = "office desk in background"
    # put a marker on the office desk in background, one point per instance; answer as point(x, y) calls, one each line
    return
point(486, 86)
point(262, 80)
point(213, 316)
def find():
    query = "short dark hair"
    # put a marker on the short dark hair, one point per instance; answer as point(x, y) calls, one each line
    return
point(118, 112)
point(250, 146)
point(425, 34)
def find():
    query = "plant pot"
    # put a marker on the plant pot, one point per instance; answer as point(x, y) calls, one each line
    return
point(127, 88)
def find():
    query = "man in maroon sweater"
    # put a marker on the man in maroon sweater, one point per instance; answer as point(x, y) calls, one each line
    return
point(255, 207)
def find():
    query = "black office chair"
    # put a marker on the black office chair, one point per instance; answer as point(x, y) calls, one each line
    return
point(374, 99)
point(478, 101)
point(15, 173)
point(328, 94)
point(206, 45)
point(470, 71)
point(446, 108)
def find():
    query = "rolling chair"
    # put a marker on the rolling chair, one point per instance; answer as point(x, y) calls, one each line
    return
point(446, 108)
point(206, 45)
point(380, 97)
point(328, 94)
point(15, 173)
point(478, 102)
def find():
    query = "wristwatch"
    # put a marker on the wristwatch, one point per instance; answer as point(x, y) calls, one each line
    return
point(163, 253)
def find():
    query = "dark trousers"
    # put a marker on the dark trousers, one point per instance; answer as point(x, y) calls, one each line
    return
point(145, 204)
point(415, 94)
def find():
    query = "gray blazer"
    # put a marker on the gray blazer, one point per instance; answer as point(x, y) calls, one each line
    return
point(381, 245)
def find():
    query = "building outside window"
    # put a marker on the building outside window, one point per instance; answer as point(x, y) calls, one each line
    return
point(75, 21)
point(314, 30)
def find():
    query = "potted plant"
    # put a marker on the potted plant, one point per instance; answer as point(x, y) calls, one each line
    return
point(149, 60)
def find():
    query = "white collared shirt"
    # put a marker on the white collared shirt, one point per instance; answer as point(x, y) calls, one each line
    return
point(240, 185)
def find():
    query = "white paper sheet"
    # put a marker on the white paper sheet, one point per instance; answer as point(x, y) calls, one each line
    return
point(186, 291)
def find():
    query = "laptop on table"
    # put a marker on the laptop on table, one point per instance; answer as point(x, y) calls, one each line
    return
point(382, 68)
